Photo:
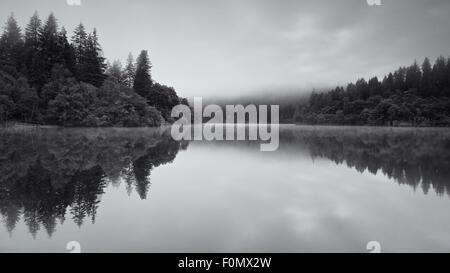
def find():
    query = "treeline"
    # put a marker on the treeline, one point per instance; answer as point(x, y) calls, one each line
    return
point(414, 95)
point(45, 78)
point(287, 102)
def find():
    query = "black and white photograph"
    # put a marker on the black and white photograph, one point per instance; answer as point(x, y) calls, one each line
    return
point(224, 126)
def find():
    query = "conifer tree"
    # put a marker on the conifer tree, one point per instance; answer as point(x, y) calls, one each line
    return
point(89, 63)
point(31, 49)
point(143, 81)
point(388, 83)
point(439, 74)
point(11, 44)
point(115, 72)
point(130, 71)
point(399, 79)
point(51, 52)
point(413, 77)
point(67, 50)
point(79, 43)
point(426, 84)
point(94, 66)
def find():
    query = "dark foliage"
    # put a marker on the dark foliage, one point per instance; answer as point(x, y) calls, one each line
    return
point(45, 79)
point(414, 96)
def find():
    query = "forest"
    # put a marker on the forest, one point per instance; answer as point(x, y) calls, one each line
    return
point(417, 95)
point(48, 78)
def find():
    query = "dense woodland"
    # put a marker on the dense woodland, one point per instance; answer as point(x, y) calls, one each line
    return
point(47, 78)
point(418, 95)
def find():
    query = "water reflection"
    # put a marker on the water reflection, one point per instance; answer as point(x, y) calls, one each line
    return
point(43, 173)
point(416, 157)
point(47, 175)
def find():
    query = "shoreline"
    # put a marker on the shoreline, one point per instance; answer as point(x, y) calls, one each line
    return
point(45, 126)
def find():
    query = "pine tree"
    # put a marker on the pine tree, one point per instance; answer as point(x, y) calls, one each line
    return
point(31, 49)
point(68, 52)
point(94, 66)
point(413, 77)
point(439, 74)
point(51, 26)
point(51, 52)
point(79, 43)
point(115, 72)
point(11, 44)
point(32, 31)
point(143, 81)
point(374, 87)
point(388, 84)
point(130, 71)
point(447, 72)
point(426, 84)
point(90, 65)
point(362, 89)
point(399, 79)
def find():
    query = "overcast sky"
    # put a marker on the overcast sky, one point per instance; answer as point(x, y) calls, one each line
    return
point(234, 47)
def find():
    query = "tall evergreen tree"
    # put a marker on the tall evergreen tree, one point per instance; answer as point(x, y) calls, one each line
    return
point(413, 76)
point(130, 71)
point(31, 49)
point(362, 89)
point(115, 72)
point(33, 29)
point(447, 72)
point(67, 51)
point(142, 80)
point(94, 66)
point(374, 87)
point(388, 84)
point(11, 44)
point(399, 79)
point(51, 51)
point(426, 84)
point(90, 65)
point(79, 42)
point(439, 74)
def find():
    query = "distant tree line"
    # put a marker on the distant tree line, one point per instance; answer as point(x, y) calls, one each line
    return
point(47, 79)
point(414, 95)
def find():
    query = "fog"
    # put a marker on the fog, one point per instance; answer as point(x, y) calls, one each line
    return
point(235, 48)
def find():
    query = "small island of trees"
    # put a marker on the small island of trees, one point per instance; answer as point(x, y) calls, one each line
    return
point(47, 79)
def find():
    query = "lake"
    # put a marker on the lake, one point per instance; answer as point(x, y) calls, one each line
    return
point(326, 189)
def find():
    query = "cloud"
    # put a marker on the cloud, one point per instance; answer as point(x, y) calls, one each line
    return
point(232, 47)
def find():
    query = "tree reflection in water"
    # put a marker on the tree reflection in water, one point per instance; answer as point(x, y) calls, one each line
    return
point(417, 157)
point(48, 174)
point(44, 173)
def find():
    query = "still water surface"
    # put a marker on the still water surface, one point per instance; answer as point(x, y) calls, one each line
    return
point(327, 189)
